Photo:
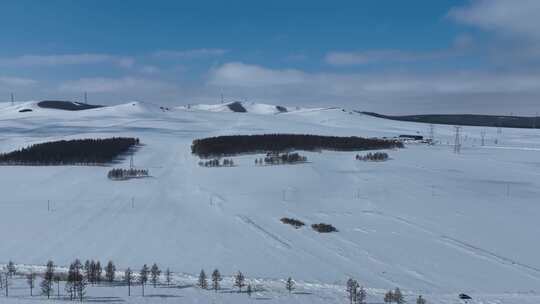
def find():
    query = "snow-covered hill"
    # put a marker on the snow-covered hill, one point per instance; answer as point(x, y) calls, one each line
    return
point(428, 220)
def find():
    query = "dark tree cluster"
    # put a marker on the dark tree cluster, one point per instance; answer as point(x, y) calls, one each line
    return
point(323, 228)
point(217, 163)
point(93, 271)
point(395, 296)
point(123, 174)
point(71, 152)
point(238, 144)
point(76, 281)
point(66, 105)
point(274, 158)
point(357, 294)
point(237, 107)
point(377, 156)
point(293, 222)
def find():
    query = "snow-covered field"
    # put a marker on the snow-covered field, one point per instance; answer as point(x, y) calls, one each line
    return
point(428, 221)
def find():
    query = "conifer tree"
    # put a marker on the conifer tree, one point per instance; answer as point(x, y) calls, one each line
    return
point(398, 296)
point(46, 283)
point(216, 278)
point(11, 269)
point(98, 272)
point(420, 300)
point(110, 270)
point(203, 281)
point(249, 290)
point(289, 284)
point(389, 297)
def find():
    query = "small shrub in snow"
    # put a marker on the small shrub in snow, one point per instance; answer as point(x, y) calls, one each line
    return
point(323, 228)
point(293, 222)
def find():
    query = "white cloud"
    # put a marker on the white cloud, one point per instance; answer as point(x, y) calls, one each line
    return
point(505, 16)
point(240, 74)
point(111, 85)
point(65, 59)
point(381, 91)
point(194, 53)
point(16, 81)
point(340, 58)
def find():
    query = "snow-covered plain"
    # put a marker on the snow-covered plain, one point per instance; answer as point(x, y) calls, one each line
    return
point(428, 221)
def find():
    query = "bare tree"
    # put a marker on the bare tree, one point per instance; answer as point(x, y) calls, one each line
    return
point(203, 281)
point(31, 280)
point(128, 278)
point(57, 280)
point(154, 274)
point(239, 280)
point(168, 276)
point(216, 278)
point(143, 277)
point(361, 296)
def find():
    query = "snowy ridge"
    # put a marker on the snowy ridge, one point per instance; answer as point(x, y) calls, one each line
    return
point(428, 220)
point(250, 107)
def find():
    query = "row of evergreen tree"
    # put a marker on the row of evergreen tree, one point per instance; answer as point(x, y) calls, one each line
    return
point(217, 163)
point(71, 152)
point(238, 144)
point(118, 173)
point(377, 156)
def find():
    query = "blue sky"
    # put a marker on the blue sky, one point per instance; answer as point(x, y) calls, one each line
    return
point(389, 56)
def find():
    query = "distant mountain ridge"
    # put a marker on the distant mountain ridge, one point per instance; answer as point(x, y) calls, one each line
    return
point(466, 120)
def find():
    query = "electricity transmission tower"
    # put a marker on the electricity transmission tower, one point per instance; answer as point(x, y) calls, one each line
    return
point(457, 140)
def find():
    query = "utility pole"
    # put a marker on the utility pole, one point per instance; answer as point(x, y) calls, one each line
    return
point(131, 161)
point(132, 202)
point(48, 206)
point(457, 140)
point(85, 97)
point(432, 134)
point(483, 135)
point(12, 99)
point(221, 97)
